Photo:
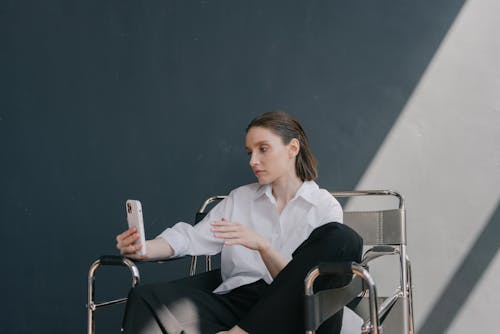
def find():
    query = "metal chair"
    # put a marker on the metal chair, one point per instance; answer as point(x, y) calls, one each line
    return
point(384, 232)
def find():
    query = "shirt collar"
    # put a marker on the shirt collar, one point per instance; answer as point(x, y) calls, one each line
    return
point(264, 189)
point(305, 191)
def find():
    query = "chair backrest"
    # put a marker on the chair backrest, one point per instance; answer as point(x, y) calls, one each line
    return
point(380, 227)
point(385, 231)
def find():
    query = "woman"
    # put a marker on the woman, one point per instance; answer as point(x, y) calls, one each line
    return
point(269, 235)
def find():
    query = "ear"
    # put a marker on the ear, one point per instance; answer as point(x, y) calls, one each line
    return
point(293, 148)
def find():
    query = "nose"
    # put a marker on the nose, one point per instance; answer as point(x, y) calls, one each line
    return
point(253, 160)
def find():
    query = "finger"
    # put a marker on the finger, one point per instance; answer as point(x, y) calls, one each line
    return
point(131, 249)
point(233, 242)
point(226, 225)
point(224, 229)
point(131, 239)
point(223, 222)
point(126, 242)
point(126, 234)
point(226, 235)
point(134, 248)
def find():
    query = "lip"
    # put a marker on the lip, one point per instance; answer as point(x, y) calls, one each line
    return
point(258, 172)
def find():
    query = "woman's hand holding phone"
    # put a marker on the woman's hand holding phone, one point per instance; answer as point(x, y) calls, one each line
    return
point(125, 244)
point(157, 248)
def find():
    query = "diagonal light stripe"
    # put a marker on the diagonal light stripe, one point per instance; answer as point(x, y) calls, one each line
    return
point(464, 280)
point(443, 154)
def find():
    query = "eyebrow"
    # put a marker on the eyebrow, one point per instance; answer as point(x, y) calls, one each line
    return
point(259, 143)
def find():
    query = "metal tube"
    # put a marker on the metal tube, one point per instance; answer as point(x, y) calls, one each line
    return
point(371, 255)
point(208, 263)
point(210, 200)
point(404, 271)
point(111, 302)
point(365, 275)
point(192, 268)
point(136, 277)
point(388, 303)
point(90, 297)
point(403, 256)
point(309, 281)
point(91, 306)
point(371, 193)
point(410, 298)
point(309, 284)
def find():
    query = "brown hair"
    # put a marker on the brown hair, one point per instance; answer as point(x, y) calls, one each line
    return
point(287, 127)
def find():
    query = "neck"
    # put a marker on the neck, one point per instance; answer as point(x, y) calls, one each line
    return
point(285, 190)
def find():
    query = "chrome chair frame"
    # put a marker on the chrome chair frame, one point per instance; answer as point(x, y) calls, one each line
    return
point(388, 239)
point(92, 306)
point(373, 326)
point(376, 311)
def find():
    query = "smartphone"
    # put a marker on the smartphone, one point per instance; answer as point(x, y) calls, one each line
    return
point(135, 219)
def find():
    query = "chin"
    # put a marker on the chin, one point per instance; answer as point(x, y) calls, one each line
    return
point(261, 181)
point(264, 181)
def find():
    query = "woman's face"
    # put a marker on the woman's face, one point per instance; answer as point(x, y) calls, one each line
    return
point(270, 159)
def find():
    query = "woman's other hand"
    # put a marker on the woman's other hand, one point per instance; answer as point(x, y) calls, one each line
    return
point(235, 233)
point(238, 234)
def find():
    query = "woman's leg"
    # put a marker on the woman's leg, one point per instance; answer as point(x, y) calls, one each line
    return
point(281, 310)
point(187, 306)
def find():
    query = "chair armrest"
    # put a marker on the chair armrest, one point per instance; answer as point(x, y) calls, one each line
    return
point(119, 260)
point(335, 268)
point(378, 251)
point(113, 260)
point(313, 318)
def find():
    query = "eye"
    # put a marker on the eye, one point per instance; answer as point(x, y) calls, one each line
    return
point(249, 153)
point(263, 148)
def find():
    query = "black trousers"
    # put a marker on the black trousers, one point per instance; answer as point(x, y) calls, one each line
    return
point(189, 306)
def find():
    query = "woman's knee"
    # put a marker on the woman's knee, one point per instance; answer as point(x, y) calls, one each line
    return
point(333, 242)
point(337, 231)
point(347, 242)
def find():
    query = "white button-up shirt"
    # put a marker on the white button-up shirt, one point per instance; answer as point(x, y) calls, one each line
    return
point(255, 206)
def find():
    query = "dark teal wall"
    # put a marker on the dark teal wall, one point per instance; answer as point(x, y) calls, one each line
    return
point(107, 100)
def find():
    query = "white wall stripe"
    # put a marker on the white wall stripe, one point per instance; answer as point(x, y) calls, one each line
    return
point(443, 154)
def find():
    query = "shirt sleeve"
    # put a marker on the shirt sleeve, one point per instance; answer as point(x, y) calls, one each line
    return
point(332, 211)
point(186, 239)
